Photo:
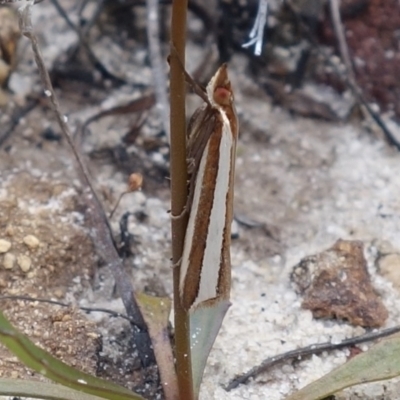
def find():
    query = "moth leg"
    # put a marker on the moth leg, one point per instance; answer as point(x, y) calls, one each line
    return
point(177, 264)
point(185, 209)
point(191, 166)
point(179, 216)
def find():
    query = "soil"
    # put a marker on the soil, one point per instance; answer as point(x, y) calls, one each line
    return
point(301, 184)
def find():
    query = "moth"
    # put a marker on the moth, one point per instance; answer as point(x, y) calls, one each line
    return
point(205, 273)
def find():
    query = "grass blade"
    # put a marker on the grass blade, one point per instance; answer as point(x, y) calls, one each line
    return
point(156, 311)
point(44, 363)
point(205, 323)
point(382, 361)
point(41, 390)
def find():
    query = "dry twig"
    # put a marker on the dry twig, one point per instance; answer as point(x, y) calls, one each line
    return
point(61, 304)
point(306, 352)
point(138, 105)
point(16, 117)
point(341, 38)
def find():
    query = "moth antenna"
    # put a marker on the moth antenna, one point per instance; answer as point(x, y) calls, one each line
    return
point(197, 88)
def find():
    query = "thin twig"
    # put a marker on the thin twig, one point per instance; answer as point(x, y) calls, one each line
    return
point(341, 38)
point(15, 1)
point(89, 24)
point(61, 304)
point(307, 351)
point(138, 105)
point(102, 235)
point(16, 118)
point(157, 64)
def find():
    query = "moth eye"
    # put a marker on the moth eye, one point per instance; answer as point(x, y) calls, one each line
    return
point(222, 96)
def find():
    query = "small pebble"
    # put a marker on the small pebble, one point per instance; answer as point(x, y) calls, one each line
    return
point(31, 241)
point(59, 293)
point(24, 262)
point(31, 274)
point(234, 230)
point(9, 261)
point(389, 267)
point(10, 230)
point(66, 317)
point(5, 245)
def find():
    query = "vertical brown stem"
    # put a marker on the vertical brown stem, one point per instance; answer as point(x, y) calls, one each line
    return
point(179, 191)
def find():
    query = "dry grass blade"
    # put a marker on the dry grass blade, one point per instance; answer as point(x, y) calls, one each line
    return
point(307, 351)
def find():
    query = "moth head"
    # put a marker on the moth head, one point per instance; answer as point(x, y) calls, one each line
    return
point(219, 90)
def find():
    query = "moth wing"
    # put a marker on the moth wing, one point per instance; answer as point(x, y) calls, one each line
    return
point(200, 129)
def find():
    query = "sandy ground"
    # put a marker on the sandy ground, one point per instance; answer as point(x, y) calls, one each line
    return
point(308, 182)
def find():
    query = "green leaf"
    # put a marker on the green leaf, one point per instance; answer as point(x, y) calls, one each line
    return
point(41, 390)
point(44, 363)
point(205, 323)
point(155, 311)
point(382, 361)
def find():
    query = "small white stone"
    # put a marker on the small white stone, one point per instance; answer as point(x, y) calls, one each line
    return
point(235, 230)
point(9, 261)
point(31, 241)
point(24, 262)
point(5, 245)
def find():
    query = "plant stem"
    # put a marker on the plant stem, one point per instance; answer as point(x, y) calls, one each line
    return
point(179, 192)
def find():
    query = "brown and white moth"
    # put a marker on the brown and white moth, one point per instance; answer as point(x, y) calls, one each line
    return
point(205, 275)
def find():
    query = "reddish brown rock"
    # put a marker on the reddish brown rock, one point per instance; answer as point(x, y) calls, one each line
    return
point(336, 284)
